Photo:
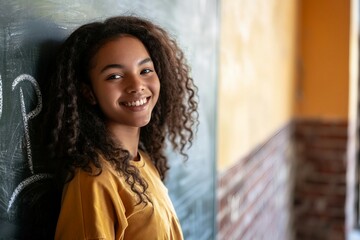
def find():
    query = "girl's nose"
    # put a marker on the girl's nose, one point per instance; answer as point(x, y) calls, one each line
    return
point(135, 85)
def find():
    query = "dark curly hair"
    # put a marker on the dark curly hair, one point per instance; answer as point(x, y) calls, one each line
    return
point(78, 131)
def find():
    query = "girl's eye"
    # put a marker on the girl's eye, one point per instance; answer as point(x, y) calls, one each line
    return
point(114, 76)
point(146, 71)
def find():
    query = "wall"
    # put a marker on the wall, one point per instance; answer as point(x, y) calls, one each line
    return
point(256, 76)
point(322, 110)
point(320, 179)
point(255, 109)
point(323, 83)
point(277, 73)
point(30, 32)
point(255, 195)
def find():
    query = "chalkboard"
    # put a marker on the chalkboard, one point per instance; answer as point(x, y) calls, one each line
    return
point(30, 33)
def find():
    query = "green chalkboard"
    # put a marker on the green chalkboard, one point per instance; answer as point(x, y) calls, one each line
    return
point(29, 35)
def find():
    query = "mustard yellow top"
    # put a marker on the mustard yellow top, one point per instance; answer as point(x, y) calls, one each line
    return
point(104, 207)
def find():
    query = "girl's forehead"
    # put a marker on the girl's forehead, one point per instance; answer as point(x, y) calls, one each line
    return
point(121, 50)
point(119, 41)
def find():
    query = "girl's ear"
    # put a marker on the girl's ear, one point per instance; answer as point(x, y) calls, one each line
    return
point(88, 94)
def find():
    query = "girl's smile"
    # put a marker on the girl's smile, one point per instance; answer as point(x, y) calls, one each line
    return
point(137, 105)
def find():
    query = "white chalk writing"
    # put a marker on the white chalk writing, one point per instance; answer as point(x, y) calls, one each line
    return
point(24, 184)
point(26, 117)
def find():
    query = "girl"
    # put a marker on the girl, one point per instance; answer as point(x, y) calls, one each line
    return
point(121, 88)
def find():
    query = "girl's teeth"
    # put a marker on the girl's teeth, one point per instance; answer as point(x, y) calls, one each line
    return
point(137, 103)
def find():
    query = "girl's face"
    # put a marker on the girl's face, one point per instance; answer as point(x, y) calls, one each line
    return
point(124, 82)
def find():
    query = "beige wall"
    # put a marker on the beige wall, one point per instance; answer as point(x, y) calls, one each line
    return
point(256, 78)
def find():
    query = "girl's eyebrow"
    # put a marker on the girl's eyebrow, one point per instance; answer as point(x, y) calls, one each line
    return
point(146, 60)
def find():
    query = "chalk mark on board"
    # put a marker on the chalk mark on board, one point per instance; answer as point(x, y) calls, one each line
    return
point(26, 117)
point(24, 184)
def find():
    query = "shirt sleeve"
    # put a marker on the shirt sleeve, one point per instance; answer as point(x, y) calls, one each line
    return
point(91, 209)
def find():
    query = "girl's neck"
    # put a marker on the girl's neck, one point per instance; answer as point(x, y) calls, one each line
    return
point(127, 136)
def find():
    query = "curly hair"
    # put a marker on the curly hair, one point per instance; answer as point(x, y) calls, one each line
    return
point(78, 131)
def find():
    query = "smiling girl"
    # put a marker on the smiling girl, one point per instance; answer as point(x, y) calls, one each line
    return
point(121, 89)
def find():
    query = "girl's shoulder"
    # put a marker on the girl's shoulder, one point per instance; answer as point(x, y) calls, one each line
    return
point(94, 175)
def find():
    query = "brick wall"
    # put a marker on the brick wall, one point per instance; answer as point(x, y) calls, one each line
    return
point(291, 187)
point(320, 183)
point(254, 195)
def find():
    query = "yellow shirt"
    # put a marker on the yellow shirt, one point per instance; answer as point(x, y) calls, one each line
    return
point(104, 207)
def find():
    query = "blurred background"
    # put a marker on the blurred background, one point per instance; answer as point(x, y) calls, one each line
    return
point(276, 155)
point(287, 120)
